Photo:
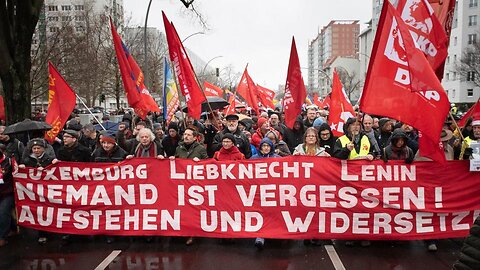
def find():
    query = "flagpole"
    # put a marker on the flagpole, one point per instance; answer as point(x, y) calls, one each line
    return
point(88, 109)
point(178, 89)
point(456, 125)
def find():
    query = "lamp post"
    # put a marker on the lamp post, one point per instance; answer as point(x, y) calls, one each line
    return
point(329, 81)
point(145, 60)
point(189, 36)
point(208, 62)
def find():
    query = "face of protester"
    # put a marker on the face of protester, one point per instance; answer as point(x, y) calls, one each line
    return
point(296, 126)
point(388, 127)
point(137, 129)
point(407, 128)
point(400, 143)
point(68, 140)
point(311, 114)
point(232, 125)
point(265, 127)
point(188, 137)
point(476, 131)
point(368, 123)
point(265, 148)
point(311, 138)
point(172, 132)
point(354, 128)
point(227, 143)
point(324, 135)
point(145, 138)
point(159, 132)
point(189, 120)
point(107, 146)
point(3, 137)
point(274, 120)
point(38, 150)
point(272, 137)
point(375, 123)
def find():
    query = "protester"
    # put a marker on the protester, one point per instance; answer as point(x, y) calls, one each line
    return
point(266, 150)
point(228, 151)
point(281, 148)
point(147, 145)
point(327, 139)
point(469, 257)
point(466, 151)
point(71, 150)
point(158, 131)
point(275, 122)
point(241, 141)
point(310, 145)
point(367, 122)
point(6, 195)
point(190, 148)
point(130, 144)
point(14, 148)
point(263, 127)
point(213, 125)
point(37, 158)
point(249, 137)
point(352, 145)
point(398, 149)
point(385, 128)
point(89, 137)
point(294, 137)
point(171, 140)
point(412, 137)
point(311, 116)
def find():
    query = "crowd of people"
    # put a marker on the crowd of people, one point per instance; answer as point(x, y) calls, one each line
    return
point(223, 137)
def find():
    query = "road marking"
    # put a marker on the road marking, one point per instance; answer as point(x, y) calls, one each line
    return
point(337, 263)
point(108, 260)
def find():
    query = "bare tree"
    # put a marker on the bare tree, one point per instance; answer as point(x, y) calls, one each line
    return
point(350, 82)
point(18, 19)
point(469, 65)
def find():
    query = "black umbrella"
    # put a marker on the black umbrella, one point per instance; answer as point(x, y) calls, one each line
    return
point(216, 103)
point(26, 126)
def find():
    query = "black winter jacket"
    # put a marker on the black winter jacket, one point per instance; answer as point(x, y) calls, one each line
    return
point(470, 252)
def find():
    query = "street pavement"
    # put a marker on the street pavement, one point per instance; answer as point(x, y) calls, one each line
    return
point(23, 252)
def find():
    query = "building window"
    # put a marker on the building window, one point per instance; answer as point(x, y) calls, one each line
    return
point(79, 7)
point(471, 76)
point(455, 41)
point(472, 39)
point(469, 92)
point(53, 29)
point(66, 7)
point(52, 8)
point(448, 59)
point(454, 76)
point(472, 20)
point(473, 3)
point(453, 93)
point(447, 76)
point(66, 18)
point(53, 19)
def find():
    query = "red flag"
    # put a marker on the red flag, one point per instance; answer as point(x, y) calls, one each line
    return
point(266, 96)
point(184, 71)
point(317, 101)
point(426, 30)
point(231, 108)
point(473, 112)
point(138, 96)
point(400, 83)
point(248, 91)
point(61, 102)
point(340, 108)
point(212, 90)
point(295, 92)
point(327, 101)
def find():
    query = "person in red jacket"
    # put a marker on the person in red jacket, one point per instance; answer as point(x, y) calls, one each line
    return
point(228, 151)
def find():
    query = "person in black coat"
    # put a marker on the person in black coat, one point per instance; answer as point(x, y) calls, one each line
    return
point(14, 148)
point(470, 252)
point(110, 151)
point(327, 139)
point(241, 140)
point(171, 140)
point(71, 150)
point(294, 137)
point(6, 195)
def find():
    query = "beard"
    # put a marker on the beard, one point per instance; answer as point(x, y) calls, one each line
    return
point(232, 128)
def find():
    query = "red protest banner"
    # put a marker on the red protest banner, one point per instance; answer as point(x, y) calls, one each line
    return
point(292, 197)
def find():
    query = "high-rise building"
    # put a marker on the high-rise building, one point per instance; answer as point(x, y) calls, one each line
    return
point(465, 32)
point(338, 39)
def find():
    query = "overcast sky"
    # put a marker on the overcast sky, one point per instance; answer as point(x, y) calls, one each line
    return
point(257, 32)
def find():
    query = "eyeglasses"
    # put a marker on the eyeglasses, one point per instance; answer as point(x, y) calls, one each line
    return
point(311, 136)
point(67, 136)
point(324, 134)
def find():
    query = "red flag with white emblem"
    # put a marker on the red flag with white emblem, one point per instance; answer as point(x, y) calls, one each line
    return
point(295, 91)
point(400, 83)
point(340, 108)
point(248, 91)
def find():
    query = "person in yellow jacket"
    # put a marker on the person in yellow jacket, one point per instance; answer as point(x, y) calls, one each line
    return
point(354, 144)
point(474, 136)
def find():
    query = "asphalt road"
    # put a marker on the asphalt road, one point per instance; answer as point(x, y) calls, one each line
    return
point(23, 252)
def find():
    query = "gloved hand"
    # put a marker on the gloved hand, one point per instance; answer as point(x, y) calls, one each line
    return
point(468, 151)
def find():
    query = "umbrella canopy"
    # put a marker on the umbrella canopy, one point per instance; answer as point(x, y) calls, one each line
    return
point(26, 126)
point(110, 127)
point(216, 103)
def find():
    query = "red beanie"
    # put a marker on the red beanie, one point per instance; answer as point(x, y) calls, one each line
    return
point(261, 121)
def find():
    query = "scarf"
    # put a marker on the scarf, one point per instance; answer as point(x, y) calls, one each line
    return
point(148, 151)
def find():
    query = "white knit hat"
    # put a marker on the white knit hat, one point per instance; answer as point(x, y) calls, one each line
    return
point(476, 122)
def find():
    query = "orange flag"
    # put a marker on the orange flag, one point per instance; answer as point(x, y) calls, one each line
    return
point(61, 102)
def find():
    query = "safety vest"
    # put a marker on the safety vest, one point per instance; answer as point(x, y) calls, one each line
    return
point(364, 146)
point(466, 144)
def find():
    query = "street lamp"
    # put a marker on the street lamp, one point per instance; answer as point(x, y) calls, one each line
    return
point(208, 62)
point(189, 36)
